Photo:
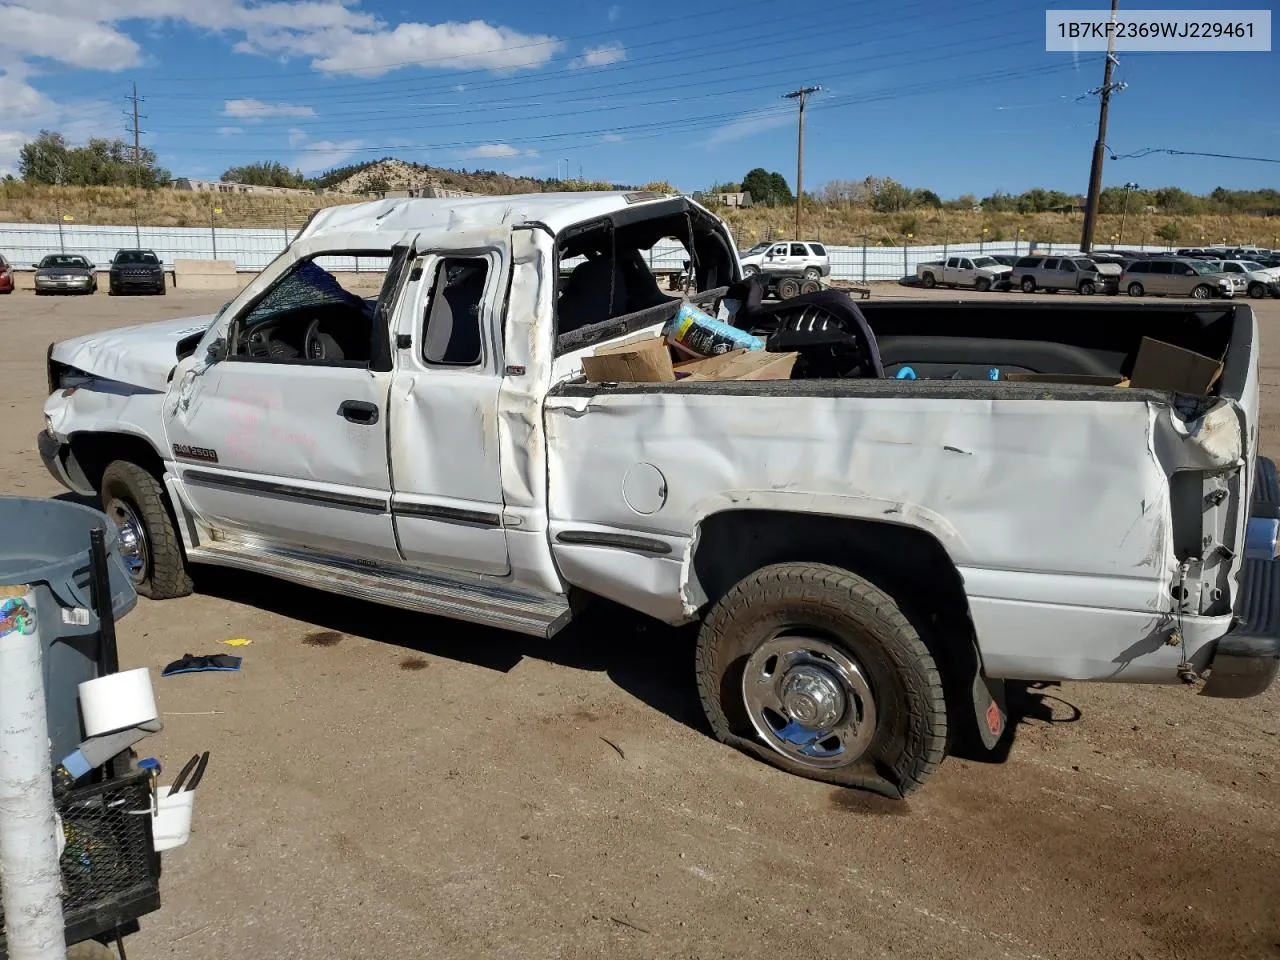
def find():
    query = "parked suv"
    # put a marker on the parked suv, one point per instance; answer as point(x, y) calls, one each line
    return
point(1077, 273)
point(136, 271)
point(1176, 277)
point(1256, 276)
point(787, 258)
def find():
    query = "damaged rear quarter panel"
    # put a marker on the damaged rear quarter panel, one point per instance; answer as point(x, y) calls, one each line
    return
point(1060, 502)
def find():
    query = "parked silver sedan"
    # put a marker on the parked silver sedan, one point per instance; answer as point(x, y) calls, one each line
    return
point(66, 273)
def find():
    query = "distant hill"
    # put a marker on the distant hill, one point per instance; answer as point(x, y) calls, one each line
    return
point(377, 176)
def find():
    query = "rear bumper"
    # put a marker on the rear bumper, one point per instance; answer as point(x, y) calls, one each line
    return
point(1246, 661)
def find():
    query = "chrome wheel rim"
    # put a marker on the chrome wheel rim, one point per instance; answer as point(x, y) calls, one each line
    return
point(133, 539)
point(809, 701)
point(1200, 293)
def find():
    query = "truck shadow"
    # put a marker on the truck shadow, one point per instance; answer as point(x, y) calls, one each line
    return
point(648, 659)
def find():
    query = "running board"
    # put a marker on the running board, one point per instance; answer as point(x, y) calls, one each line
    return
point(473, 600)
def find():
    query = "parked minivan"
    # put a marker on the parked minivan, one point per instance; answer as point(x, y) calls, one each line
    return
point(1077, 273)
point(1175, 277)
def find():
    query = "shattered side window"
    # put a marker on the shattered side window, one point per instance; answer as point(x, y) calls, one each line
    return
point(311, 285)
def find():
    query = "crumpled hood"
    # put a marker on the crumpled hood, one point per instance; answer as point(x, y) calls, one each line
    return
point(140, 356)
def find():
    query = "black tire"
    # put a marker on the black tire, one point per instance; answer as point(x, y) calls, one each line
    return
point(1257, 290)
point(860, 621)
point(929, 280)
point(1087, 289)
point(163, 568)
point(788, 288)
point(1202, 292)
point(812, 273)
point(1028, 285)
point(1136, 289)
point(982, 285)
point(750, 270)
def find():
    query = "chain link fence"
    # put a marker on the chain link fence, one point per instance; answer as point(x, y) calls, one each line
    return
point(252, 248)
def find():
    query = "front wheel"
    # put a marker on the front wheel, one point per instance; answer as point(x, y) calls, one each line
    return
point(750, 271)
point(788, 288)
point(1135, 289)
point(982, 285)
point(1087, 288)
point(1257, 291)
point(1202, 292)
point(1028, 285)
point(816, 671)
point(136, 502)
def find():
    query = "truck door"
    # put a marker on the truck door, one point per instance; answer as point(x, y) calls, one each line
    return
point(283, 440)
point(446, 476)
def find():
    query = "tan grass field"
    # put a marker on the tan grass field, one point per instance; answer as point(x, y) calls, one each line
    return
point(24, 203)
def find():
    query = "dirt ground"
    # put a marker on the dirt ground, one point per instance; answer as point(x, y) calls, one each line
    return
point(384, 784)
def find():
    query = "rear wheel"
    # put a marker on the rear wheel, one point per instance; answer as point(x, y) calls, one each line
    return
point(136, 502)
point(1028, 285)
point(812, 273)
point(788, 288)
point(929, 281)
point(982, 285)
point(816, 671)
point(1202, 292)
point(1087, 288)
point(1135, 289)
point(1257, 290)
point(810, 286)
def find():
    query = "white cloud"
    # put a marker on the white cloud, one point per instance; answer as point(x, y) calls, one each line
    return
point(324, 154)
point(296, 136)
point(492, 151)
point(748, 125)
point(229, 131)
point(453, 46)
point(79, 41)
point(612, 138)
point(600, 56)
point(333, 34)
point(614, 13)
point(11, 142)
point(251, 109)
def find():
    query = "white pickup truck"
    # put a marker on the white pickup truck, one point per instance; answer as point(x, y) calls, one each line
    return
point(981, 273)
point(869, 557)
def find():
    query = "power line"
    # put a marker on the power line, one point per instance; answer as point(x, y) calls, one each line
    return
point(665, 127)
point(856, 23)
point(610, 100)
point(1148, 151)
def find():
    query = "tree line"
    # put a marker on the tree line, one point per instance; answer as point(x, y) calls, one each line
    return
point(886, 195)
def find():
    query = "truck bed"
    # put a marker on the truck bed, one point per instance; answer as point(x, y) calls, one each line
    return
point(1053, 501)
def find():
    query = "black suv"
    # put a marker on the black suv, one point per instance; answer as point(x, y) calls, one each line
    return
point(136, 271)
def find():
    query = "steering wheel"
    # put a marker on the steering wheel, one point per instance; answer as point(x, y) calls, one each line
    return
point(317, 345)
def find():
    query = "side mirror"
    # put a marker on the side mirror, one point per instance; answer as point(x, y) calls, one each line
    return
point(217, 351)
point(36, 266)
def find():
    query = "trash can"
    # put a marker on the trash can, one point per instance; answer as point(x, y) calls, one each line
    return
point(47, 544)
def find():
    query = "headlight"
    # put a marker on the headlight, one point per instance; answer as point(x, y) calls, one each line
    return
point(48, 425)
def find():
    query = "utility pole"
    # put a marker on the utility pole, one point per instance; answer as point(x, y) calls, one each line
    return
point(1095, 171)
point(1125, 212)
point(802, 94)
point(137, 165)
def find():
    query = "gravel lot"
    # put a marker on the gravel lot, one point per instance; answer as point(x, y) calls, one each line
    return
point(385, 784)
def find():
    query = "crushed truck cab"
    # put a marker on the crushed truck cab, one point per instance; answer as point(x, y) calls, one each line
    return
point(395, 410)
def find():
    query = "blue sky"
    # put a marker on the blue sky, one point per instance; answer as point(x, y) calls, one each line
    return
point(958, 96)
